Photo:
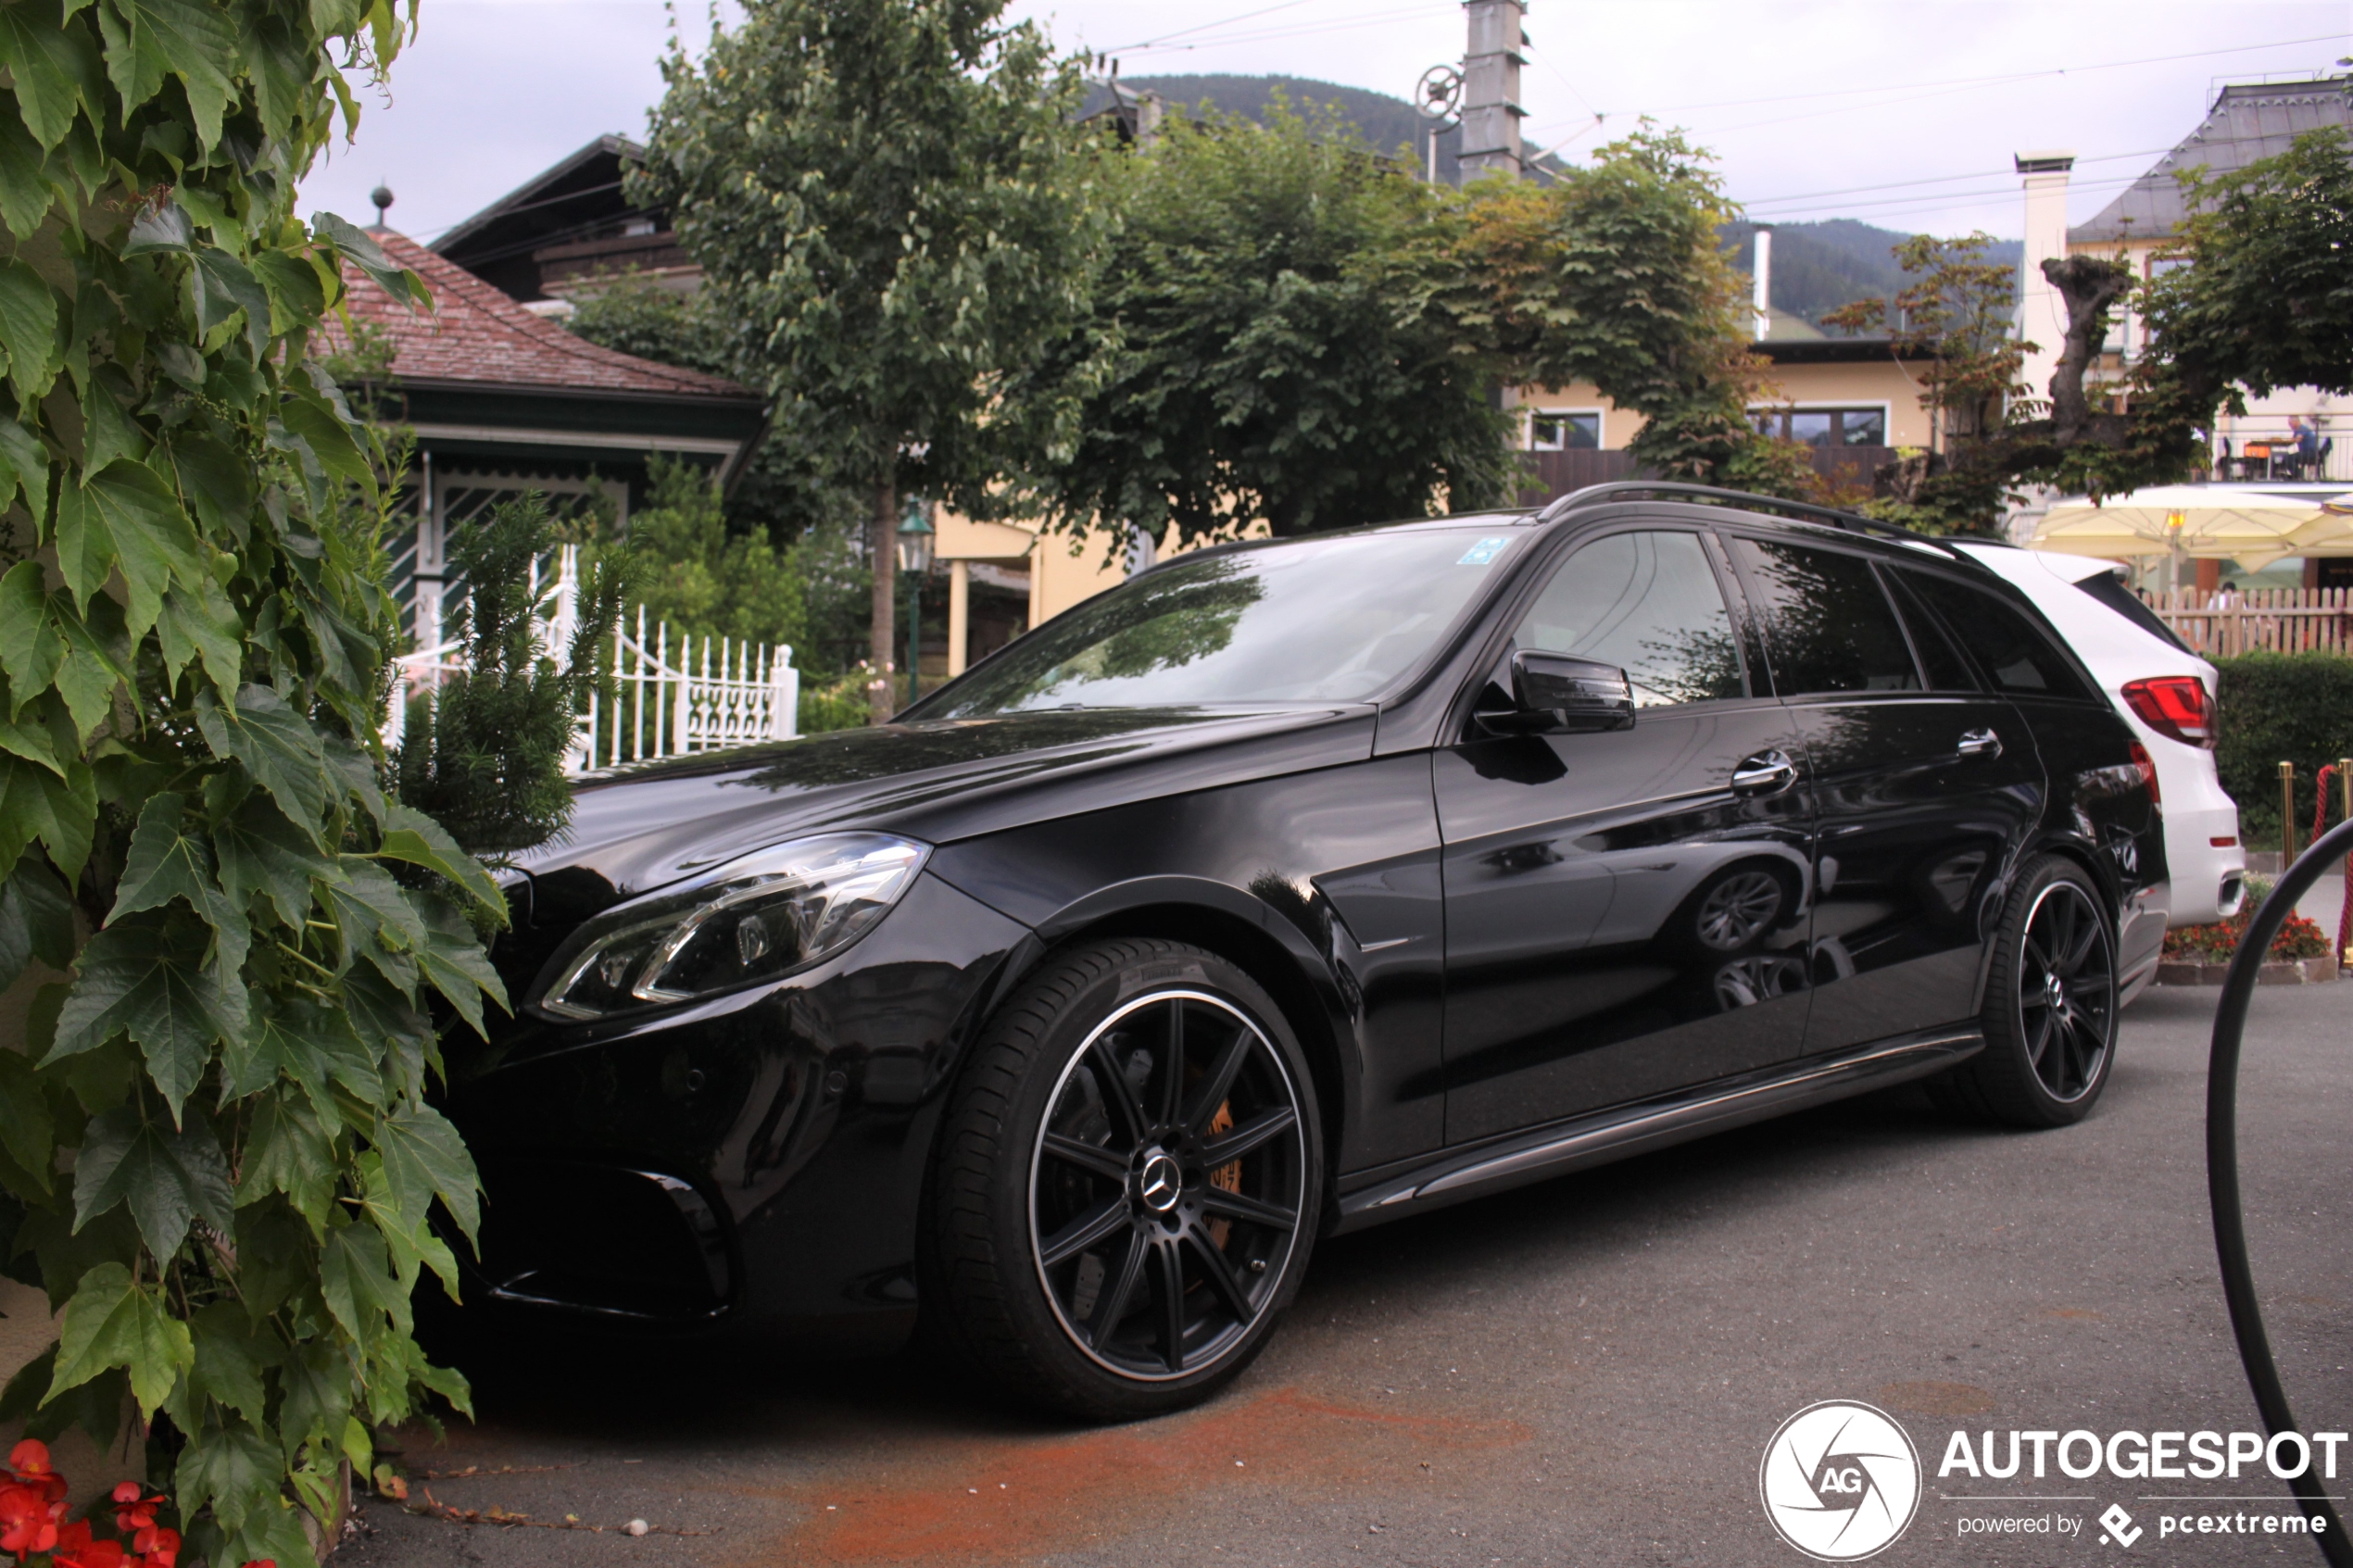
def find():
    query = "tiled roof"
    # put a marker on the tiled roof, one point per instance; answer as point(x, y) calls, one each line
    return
point(479, 336)
point(2248, 122)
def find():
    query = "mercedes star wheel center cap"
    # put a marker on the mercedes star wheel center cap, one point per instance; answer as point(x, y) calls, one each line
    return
point(2057, 991)
point(1160, 1184)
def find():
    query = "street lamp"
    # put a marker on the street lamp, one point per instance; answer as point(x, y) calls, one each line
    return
point(915, 539)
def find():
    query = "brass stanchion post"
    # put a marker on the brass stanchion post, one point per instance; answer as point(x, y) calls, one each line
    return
point(2288, 815)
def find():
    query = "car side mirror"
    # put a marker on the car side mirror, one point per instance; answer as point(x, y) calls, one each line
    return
point(1553, 693)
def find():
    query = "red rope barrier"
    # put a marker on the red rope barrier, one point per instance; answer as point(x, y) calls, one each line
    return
point(2344, 911)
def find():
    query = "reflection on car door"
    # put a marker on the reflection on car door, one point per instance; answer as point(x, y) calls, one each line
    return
point(1922, 788)
point(1625, 911)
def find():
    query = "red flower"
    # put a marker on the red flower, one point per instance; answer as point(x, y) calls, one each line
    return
point(76, 1549)
point(263, 1562)
point(30, 1458)
point(28, 1524)
point(158, 1546)
point(134, 1512)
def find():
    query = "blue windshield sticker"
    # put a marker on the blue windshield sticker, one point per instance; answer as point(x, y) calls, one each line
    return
point(1481, 553)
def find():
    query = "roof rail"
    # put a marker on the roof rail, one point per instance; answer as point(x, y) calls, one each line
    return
point(1804, 511)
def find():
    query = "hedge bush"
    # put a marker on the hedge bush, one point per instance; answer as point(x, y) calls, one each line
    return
point(2276, 708)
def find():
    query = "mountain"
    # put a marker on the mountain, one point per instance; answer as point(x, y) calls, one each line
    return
point(1818, 267)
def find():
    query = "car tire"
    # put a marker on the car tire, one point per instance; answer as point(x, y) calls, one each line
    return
point(2051, 1009)
point(1114, 1227)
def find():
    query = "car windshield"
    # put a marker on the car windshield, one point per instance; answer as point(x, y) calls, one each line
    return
point(1331, 620)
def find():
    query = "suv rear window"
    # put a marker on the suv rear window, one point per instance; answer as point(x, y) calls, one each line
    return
point(2109, 589)
point(2019, 656)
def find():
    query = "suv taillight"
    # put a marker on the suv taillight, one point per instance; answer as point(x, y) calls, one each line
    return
point(2175, 707)
point(2147, 765)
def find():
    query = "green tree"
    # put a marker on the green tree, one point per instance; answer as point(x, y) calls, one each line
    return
point(886, 197)
point(1269, 358)
point(1954, 317)
point(693, 575)
point(229, 930)
point(483, 755)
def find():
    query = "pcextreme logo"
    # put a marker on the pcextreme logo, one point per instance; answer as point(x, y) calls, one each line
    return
point(1841, 1481)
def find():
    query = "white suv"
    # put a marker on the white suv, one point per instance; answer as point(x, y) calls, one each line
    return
point(2166, 693)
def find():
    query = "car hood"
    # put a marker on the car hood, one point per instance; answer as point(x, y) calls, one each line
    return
point(641, 828)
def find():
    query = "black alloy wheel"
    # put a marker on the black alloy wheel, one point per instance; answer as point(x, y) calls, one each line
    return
point(2066, 991)
point(1128, 1187)
point(2051, 1006)
point(1165, 1190)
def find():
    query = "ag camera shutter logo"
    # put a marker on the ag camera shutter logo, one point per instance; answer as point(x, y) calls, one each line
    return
point(1841, 1481)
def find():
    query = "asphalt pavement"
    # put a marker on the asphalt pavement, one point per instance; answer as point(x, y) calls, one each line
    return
point(1586, 1370)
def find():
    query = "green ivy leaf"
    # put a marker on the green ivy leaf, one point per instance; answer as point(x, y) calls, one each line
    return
point(154, 985)
point(262, 852)
point(27, 327)
point(200, 622)
point(287, 1152)
point(356, 1278)
point(54, 64)
point(308, 1045)
point(168, 862)
point(354, 244)
point(412, 837)
point(25, 1129)
point(125, 516)
point(328, 439)
point(377, 921)
point(160, 227)
point(165, 1175)
point(230, 1360)
point(60, 813)
point(111, 1322)
point(36, 920)
point(296, 297)
point(30, 646)
point(425, 1158)
point(384, 1018)
point(107, 431)
point(454, 961)
point(24, 463)
point(147, 40)
point(25, 192)
point(27, 737)
point(276, 745)
point(218, 487)
point(224, 286)
point(231, 1469)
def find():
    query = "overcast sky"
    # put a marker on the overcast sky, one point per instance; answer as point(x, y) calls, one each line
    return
point(1902, 113)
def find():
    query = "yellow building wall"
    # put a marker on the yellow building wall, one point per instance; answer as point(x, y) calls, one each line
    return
point(1885, 382)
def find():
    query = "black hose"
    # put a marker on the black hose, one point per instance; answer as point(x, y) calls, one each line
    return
point(2222, 1172)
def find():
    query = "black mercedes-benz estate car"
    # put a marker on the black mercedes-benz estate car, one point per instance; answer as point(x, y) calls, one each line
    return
point(1294, 886)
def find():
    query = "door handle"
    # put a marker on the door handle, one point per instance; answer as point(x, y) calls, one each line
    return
point(1978, 743)
point(1768, 772)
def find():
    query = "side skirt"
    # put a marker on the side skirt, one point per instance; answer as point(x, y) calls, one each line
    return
point(1626, 1130)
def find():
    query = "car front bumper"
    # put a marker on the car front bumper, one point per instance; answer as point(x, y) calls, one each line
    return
point(754, 1158)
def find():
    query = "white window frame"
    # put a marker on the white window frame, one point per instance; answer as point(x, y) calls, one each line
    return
point(1527, 433)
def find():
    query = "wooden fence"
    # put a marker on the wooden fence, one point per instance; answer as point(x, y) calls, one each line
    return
point(669, 699)
point(2272, 619)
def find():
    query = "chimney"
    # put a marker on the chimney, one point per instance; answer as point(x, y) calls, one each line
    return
point(1491, 87)
point(2042, 314)
point(1761, 277)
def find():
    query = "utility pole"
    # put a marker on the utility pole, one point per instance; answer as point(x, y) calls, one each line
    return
point(1491, 87)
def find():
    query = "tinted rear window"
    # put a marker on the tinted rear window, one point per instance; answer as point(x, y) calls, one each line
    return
point(2016, 653)
point(2109, 589)
point(1826, 623)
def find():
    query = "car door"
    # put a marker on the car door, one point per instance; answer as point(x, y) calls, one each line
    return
point(1625, 910)
point(1921, 786)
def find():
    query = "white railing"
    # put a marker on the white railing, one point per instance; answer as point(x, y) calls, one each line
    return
point(662, 703)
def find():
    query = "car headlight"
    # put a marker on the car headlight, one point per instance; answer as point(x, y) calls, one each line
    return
point(759, 916)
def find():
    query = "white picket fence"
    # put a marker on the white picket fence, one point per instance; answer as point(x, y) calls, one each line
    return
point(667, 702)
